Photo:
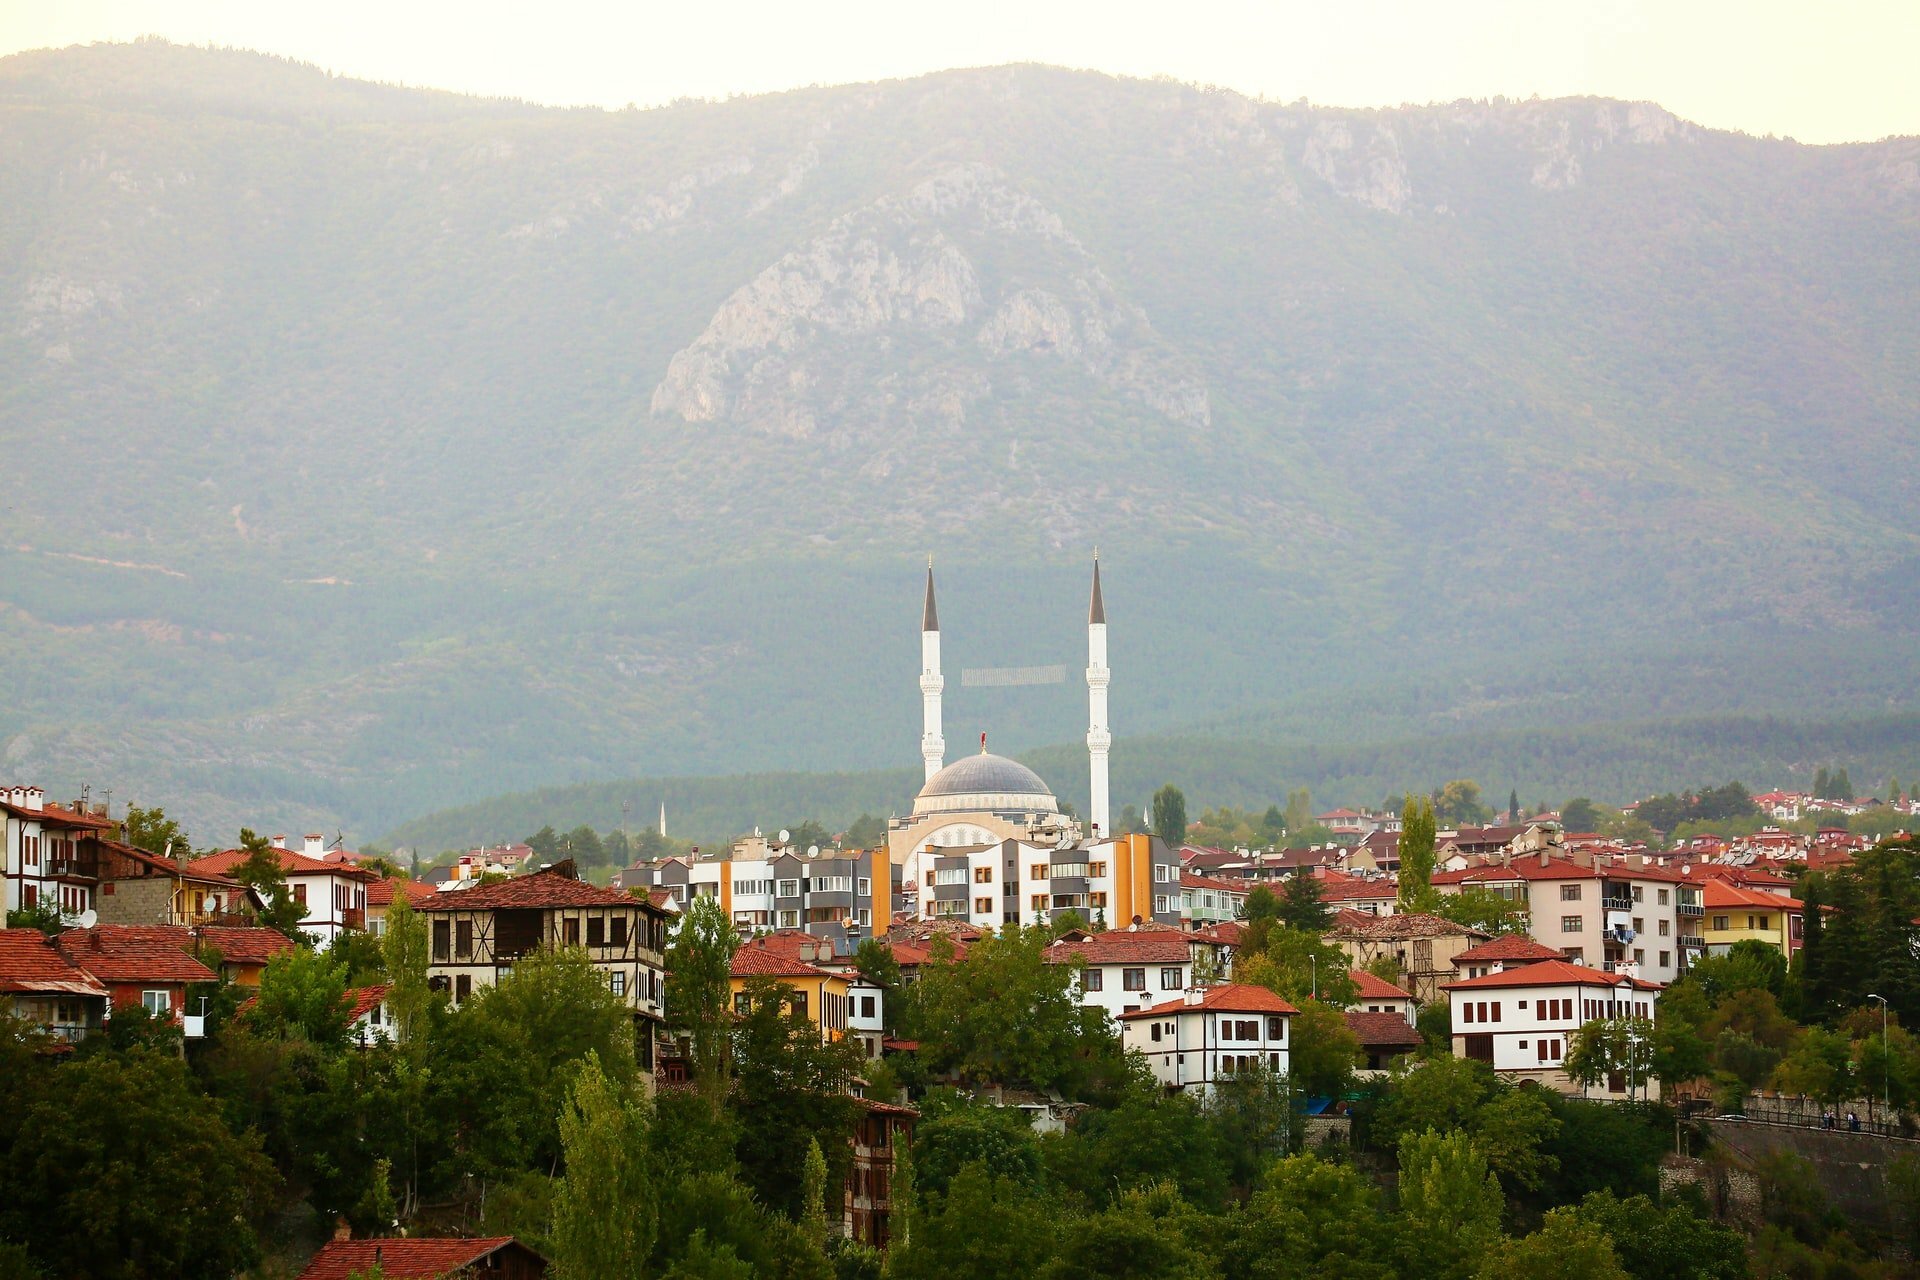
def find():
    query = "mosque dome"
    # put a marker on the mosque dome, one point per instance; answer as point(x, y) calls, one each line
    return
point(985, 783)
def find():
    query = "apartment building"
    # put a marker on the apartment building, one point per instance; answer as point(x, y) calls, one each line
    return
point(1108, 883)
point(843, 896)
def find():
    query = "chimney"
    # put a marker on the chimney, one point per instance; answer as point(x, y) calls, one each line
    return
point(279, 842)
point(314, 846)
point(1195, 995)
point(1546, 859)
point(342, 1230)
point(33, 798)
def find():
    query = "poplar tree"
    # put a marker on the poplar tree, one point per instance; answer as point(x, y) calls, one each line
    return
point(1417, 832)
point(604, 1215)
point(405, 949)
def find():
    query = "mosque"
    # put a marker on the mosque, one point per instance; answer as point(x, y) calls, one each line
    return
point(986, 841)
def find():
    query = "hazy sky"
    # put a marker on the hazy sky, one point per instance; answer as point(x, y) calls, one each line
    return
point(1820, 72)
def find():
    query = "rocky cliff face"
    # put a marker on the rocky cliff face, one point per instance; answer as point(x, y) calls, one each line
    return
point(960, 263)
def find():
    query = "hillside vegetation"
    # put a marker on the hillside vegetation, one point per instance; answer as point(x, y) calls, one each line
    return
point(371, 450)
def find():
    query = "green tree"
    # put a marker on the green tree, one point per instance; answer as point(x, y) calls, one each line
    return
point(1136, 1238)
point(126, 1171)
point(153, 831)
point(699, 992)
point(789, 1085)
point(1480, 908)
point(604, 1214)
point(1566, 1247)
point(1450, 1204)
point(1606, 1048)
point(1458, 804)
point(813, 1197)
point(303, 996)
point(951, 1239)
point(954, 1131)
point(405, 948)
point(1299, 814)
point(1301, 906)
point(545, 844)
point(1670, 1243)
point(1818, 1066)
point(1003, 1014)
point(582, 844)
point(1513, 805)
point(1169, 820)
point(1310, 1217)
point(1323, 1051)
point(262, 871)
point(1580, 814)
point(866, 832)
point(1417, 835)
point(1298, 966)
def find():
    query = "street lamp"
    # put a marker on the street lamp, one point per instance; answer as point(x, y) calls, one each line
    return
point(1313, 973)
point(1886, 1085)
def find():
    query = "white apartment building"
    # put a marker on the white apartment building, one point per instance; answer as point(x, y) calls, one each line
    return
point(1209, 1034)
point(843, 896)
point(1108, 883)
point(1521, 1020)
point(1124, 971)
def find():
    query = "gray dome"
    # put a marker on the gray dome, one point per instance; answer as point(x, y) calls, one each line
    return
point(986, 782)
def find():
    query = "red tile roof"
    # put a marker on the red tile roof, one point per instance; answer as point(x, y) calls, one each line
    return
point(1549, 973)
point(1227, 997)
point(366, 999)
point(908, 955)
point(381, 892)
point(768, 962)
point(541, 889)
point(239, 944)
point(53, 815)
point(1719, 893)
point(1226, 933)
point(1194, 880)
point(1509, 946)
point(294, 864)
point(131, 953)
point(403, 1259)
point(1372, 987)
point(1404, 925)
point(1354, 889)
point(1122, 946)
point(30, 964)
point(1383, 1031)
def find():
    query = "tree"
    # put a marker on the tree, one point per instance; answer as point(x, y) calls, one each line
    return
point(303, 996)
point(604, 1216)
point(1566, 1247)
point(1311, 1217)
point(545, 844)
point(1480, 908)
point(1323, 1051)
point(1003, 1014)
point(1136, 1238)
point(582, 844)
point(950, 1239)
point(955, 1131)
point(1450, 1204)
point(1842, 786)
point(1606, 1048)
point(1417, 835)
point(813, 1197)
point(1301, 906)
point(699, 992)
point(406, 949)
point(1458, 804)
point(1818, 1066)
point(1299, 814)
point(788, 1086)
point(866, 832)
point(1299, 966)
point(127, 1171)
point(1822, 785)
point(262, 871)
point(1169, 817)
point(1580, 814)
point(1513, 805)
point(1672, 1243)
point(153, 831)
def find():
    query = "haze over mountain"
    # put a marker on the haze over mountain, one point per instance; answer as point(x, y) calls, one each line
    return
point(372, 450)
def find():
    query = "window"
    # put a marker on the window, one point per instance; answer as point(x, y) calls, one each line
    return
point(799, 1003)
point(1570, 924)
point(831, 884)
point(442, 934)
point(596, 931)
point(1162, 904)
point(866, 1006)
point(1719, 922)
point(1039, 871)
point(1639, 893)
point(1133, 979)
point(617, 980)
point(1639, 925)
point(1247, 1028)
point(791, 919)
point(1664, 961)
point(983, 875)
point(1099, 900)
point(619, 938)
point(1162, 873)
point(1096, 869)
point(1569, 893)
point(1639, 956)
point(300, 894)
point(463, 940)
point(1092, 980)
point(1663, 927)
point(1154, 1032)
point(1276, 1028)
point(157, 1003)
point(983, 905)
point(788, 889)
point(1663, 897)
point(866, 887)
point(462, 988)
point(1171, 980)
point(741, 1004)
point(950, 875)
point(1039, 902)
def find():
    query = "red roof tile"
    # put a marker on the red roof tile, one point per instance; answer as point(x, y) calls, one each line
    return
point(1372, 987)
point(541, 889)
point(1226, 933)
point(381, 892)
point(294, 864)
point(366, 999)
point(1383, 1031)
point(766, 962)
point(1227, 997)
point(239, 944)
point(1122, 946)
point(132, 953)
point(30, 964)
point(1719, 893)
point(1404, 925)
point(1549, 973)
point(1509, 946)
point(403, 1259)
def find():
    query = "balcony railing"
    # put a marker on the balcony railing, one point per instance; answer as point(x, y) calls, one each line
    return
point(1616, 902)
point(1692, 908)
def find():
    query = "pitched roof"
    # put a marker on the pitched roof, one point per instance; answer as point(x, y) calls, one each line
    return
point(1123, 946)
point(132, 953)
point(1383, 1030)
point(769, 962)
point(294, 864)
point(1226, 933)
point(400, 1259)
point(54, 815)
point(1373, 987)
point(1404, 925)
point(1226, 997)
point(1510, 946)
point(1195, 880)
point(1549, 973)
point(1720, 893)
point(908, 955)
point(381, 892)
point(366, 999)
point(238, 944)
point(541, 889)
point(165, 866)
point(30, 964)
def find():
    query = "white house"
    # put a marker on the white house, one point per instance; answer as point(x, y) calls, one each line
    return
point(1377, 995)
point(1521, 1020)
point(39, 841)
point(1208, 1034)
point(1127, 969)
point(333, 894)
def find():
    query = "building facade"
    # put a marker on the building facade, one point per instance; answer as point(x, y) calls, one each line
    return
point(1206, 1035)
point(1521, 1021)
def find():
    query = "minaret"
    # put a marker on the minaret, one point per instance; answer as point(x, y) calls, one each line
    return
point(933, 748)
point(1098, 739)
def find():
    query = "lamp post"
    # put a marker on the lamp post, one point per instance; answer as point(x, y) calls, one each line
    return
point(1886, 1084)
point(1313, 973)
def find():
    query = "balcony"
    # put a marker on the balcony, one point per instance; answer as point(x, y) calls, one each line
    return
point(1610, 901)
point(354, 918)
point(1692, 908)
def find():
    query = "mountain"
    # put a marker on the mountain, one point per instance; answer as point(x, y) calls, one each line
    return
point(370, 450)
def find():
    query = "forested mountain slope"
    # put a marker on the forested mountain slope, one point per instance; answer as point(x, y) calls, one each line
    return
point(369, 450)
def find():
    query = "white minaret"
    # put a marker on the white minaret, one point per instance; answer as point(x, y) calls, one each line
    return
point(933, 748)
point(1098, 739)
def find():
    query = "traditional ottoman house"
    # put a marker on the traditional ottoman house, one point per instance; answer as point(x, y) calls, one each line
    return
point(1520, 1021)
point(39, 984)
point(1209, 1034)
point(1127, 969)
point(138, 966)
point(492, 1257)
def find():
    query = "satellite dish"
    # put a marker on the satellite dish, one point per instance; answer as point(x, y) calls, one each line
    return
point(89, 918)
point(785, 835)
point(813, 851)
point(213, 903)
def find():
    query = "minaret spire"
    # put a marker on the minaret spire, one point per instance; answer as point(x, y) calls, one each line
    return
point(1098, 737)
point(933, 748)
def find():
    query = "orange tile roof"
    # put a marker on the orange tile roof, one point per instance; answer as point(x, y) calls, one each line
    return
point(1720, 893)
point(1510, 946)
point(381, 892)
point(366, 999)
point(1373, 987)
point(30, 964)
point(541, 889)
point(1382, 1030)
point(239, 944)
point(1404, 925)
point(766, 962)
point(1227, 997)
point(1122, 946)
point(131, 953)
point(294, 864)
point(1549, 973)
point(400, 1259)
point(1227, 933)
